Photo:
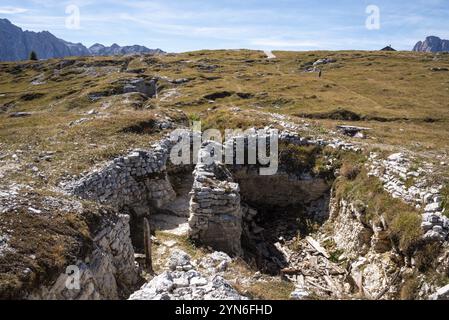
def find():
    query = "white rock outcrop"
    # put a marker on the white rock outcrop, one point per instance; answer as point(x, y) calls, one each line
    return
point(109, 271)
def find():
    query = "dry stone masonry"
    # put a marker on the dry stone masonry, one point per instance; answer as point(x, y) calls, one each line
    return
point(220, 217)
point(215, 214)
point(136, 180)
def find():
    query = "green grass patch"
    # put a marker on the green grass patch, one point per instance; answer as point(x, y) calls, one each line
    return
point(403, 220)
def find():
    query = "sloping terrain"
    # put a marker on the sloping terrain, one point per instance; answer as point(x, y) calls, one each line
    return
point(59, 119)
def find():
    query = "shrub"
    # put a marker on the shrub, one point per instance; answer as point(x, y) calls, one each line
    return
point(349, 170)
point(409, 288)
point(405, 228)
point(297, 158)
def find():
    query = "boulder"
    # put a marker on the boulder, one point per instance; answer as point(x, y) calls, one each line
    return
point(178, 259)
point(148, 89)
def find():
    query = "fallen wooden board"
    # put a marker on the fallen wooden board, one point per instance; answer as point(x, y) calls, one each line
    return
point(291, 271)
point(316, 245)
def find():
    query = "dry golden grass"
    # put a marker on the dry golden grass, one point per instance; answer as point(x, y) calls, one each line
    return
point(397, 86)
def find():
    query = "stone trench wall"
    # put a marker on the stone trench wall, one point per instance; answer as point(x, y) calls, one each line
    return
point(138, 180)
point(280, 190)
point(373, 266)
point(108, 272)
point(215, 213)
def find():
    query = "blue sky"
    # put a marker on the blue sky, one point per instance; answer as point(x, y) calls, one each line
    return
point(185, 25)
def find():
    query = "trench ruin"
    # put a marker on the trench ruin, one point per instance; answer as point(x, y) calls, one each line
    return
point(230, 208)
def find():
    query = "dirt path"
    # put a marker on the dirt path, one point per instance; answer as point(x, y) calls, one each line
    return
point(269, 54)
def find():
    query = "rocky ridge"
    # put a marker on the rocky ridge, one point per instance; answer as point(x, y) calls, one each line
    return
point(17, 44)
point(432, 44)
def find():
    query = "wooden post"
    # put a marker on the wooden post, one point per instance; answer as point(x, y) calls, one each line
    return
point(147, 244)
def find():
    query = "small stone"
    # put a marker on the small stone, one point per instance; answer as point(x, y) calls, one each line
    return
point(198, 281)
point(178, 259)
point(34, 210)
point(299, 294)
point(433, 207)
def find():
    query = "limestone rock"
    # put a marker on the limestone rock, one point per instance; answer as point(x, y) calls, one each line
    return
point(441, 294)
point(186, 285)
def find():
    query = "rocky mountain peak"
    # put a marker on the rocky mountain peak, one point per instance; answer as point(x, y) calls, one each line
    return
point(432, 44)
point(16, 44)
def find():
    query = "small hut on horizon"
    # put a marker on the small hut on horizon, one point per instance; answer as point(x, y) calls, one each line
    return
point(388, 48)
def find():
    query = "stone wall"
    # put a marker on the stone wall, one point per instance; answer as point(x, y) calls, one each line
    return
point(279, 190)
point(137, 180)
point(215, 209)
point(215, 213)
point(108, 272)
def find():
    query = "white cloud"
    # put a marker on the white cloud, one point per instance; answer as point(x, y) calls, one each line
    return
point(270, 43)
point(12, 10)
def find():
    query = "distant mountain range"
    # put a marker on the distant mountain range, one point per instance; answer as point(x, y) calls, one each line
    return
point(16, 44)
point(432, 44)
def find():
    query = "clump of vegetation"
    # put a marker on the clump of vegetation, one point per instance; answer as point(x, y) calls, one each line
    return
point(426, 255)
point(270, 290)
point(194, 117)
point(33, 56)
point(349, 170)
point(403, 220)
point(445, 195)
point(409, 288)
point(297, 158)
point(405, 229)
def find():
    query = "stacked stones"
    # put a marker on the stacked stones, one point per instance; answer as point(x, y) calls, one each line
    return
point(183, 282)
point(393, 172)
point(215, 214)
point(293, 138)
point(138, 178)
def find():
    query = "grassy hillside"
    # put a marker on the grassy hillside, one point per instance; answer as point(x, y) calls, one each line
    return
point(402, 96)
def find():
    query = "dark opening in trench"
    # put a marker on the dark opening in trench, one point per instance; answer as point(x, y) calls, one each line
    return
point(278, 209)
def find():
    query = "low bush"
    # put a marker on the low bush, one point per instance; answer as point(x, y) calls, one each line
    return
point(349, 170)
point(405, 228)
